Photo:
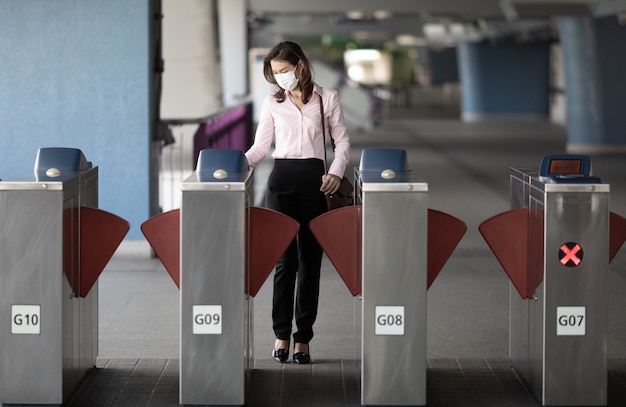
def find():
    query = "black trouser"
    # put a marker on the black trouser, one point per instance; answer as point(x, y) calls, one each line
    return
point(294, 189)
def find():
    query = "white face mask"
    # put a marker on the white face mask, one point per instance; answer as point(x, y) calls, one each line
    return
point(287, 80)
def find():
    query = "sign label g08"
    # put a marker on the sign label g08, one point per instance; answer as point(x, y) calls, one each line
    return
point(389, 320)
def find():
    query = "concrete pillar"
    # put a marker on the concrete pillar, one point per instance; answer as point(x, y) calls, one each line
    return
point(233, 43)
point(191, 82)
point(192, 86)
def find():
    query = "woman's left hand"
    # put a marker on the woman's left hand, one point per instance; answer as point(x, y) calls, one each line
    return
point(330, 184)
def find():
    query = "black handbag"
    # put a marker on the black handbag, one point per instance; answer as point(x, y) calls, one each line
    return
point(344, 196)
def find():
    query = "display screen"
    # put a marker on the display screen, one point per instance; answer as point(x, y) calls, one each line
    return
point(565, 166)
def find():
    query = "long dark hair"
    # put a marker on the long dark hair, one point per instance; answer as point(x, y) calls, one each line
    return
point(291, 52)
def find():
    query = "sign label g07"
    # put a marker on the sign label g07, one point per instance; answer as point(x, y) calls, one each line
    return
point(571, 321)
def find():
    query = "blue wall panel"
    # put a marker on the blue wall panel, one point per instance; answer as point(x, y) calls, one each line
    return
point(74, 73)
point(506, 78)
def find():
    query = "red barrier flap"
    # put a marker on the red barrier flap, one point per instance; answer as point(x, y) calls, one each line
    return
point(507, 236)
point(444, 234)
point(269, 234)
point(617, 234)
point(163, 233)
point(100, 235)
point(339, 234)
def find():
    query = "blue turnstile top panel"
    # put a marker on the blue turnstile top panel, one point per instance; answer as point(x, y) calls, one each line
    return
point(61, 158)
point(54, 166)
point(221, 165)
point(380, 159)
point(567, 169)
point(385, 165)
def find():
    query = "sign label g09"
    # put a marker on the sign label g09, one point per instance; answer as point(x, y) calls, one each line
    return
point(207, 319)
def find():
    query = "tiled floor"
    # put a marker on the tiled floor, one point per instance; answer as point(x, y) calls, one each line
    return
point(466, 166)
point(328, 383)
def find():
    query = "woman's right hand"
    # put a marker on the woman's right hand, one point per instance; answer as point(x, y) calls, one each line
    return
point(330, 184)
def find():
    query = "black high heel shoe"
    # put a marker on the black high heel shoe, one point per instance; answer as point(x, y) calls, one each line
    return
point(302, 358)
point(280, 355)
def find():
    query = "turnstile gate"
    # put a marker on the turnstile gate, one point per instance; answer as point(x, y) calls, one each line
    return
point(218, 250)
point(554, 245)
point(216, 347)
point(388, 249)
point(49, 267)
point(394, 252)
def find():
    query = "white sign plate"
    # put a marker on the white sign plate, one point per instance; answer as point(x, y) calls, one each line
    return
point(571, 321)
point(389, 320)
point(26, 319)
point(207, 319)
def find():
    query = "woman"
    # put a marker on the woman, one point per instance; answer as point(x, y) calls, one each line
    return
point(291, 118)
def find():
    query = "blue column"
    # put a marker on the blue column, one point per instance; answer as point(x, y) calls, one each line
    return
point(594, 59)
point(504, 79)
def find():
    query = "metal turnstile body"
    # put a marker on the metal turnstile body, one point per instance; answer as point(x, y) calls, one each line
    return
point(394, 277)
point(49, 334)
point(558, 338)
point(216, 319)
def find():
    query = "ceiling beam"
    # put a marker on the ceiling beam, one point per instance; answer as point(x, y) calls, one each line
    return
point(436, 7)
point(318, 24)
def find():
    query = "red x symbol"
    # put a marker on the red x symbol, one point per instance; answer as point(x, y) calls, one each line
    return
point(570, 254)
